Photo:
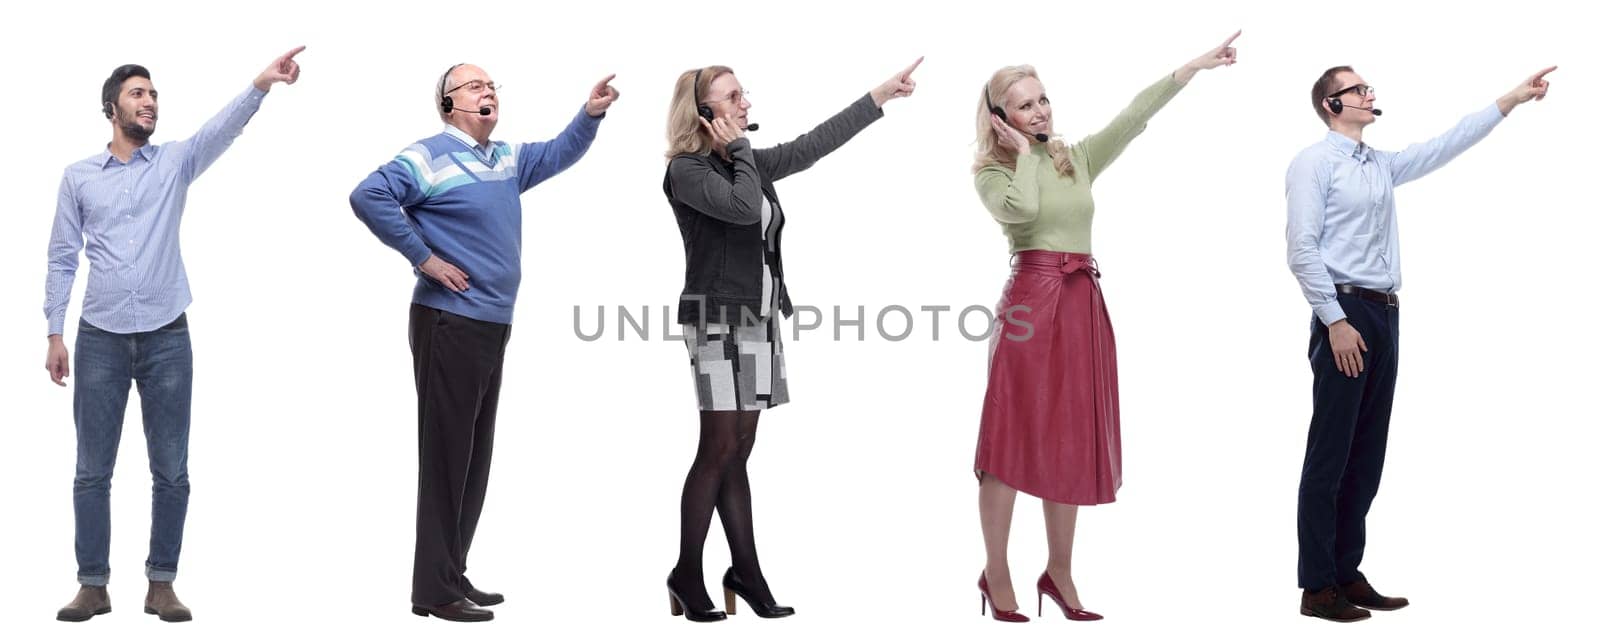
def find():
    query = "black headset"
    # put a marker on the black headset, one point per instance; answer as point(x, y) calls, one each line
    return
point(1001, 112)
point(1335, 105)
point(704, 110)
point(445, 103)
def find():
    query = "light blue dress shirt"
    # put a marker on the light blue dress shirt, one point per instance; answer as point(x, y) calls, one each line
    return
point(1342, 227)
point(484, 153)
point(125, 216)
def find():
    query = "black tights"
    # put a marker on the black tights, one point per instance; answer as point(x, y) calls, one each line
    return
point(718, 480)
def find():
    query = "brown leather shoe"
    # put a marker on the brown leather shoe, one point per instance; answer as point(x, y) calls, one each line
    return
point(164, 603)
point(464, 611)
point(1361, 593)
point(1328, 604)
point(90, 602)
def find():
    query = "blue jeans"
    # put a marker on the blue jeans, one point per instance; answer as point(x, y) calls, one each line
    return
point(161, 364)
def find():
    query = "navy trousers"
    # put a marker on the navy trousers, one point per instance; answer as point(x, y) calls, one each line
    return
point(1346, 443)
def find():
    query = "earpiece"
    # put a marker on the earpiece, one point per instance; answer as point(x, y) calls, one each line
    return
point(996, 110)
point(1338, 107)
point(445, 103)
point(704, 110)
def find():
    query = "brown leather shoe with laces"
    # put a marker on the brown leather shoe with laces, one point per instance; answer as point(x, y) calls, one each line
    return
point(1328, 604)
point(1361, 593)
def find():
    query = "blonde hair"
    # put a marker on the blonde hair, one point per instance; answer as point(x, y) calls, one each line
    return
point(990, 152)
point(685, 135)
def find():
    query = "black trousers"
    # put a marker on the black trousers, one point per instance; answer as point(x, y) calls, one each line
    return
point(457, 361)
point(1345, 447)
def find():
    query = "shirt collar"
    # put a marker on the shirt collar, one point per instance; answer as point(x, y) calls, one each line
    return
point(1348, 147)
point(467, 139)
point(146, 151)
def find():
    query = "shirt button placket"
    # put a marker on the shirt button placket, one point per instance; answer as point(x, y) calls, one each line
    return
point(127, 194)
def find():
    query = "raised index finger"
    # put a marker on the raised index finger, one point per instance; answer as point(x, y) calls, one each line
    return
point(293, 52)
point(1231, 38)
point(1540, 75)
point(907, 73)
point(600, 87)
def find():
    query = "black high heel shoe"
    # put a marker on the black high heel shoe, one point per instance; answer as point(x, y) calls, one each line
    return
point(679, 608)
point(731, 585)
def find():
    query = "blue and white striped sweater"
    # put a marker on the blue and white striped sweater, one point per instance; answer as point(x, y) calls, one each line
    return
point(443, 169)
point(444, 196)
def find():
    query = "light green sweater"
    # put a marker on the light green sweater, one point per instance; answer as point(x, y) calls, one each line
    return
point(1039, 209)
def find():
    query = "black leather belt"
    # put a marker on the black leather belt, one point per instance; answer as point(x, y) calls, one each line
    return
point(1392, 300)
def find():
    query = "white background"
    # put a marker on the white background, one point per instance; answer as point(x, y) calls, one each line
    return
point(303, 446)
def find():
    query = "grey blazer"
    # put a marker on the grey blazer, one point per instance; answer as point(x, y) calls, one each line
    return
point(717, 203)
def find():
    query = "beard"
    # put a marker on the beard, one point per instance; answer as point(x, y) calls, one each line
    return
point(131, 128)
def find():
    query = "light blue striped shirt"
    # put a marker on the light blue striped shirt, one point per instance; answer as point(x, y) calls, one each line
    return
point(1342, 227)
point(125, 216)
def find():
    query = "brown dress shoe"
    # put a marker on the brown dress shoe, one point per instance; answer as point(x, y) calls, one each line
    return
point(1362, 594)
point(464, 611)
point(164, 603)
point(90, 602)
point(1328, 604)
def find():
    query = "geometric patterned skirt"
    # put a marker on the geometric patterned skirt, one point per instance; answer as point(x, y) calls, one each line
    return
point(1050, 425)
point(738, 367)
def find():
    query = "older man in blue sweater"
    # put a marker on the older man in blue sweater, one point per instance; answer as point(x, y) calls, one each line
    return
point(450, 204)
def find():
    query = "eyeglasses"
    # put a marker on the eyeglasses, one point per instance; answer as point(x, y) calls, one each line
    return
point(1359, 89)
point(477, 86)
point(736, 97)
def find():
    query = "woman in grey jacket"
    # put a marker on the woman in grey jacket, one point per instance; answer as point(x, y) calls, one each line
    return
point(721, 191)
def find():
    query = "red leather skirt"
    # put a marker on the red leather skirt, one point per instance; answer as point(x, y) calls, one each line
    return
point(1050, 425)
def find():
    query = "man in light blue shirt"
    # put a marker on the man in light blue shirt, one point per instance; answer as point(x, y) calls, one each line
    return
point(1344, 249)
point(122, 207)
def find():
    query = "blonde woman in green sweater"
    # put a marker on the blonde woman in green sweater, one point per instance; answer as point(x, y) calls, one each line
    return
point(1050, 426)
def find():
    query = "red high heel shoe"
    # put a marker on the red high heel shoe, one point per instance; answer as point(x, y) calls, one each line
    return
point(1047, 587)
point(1005, 616)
